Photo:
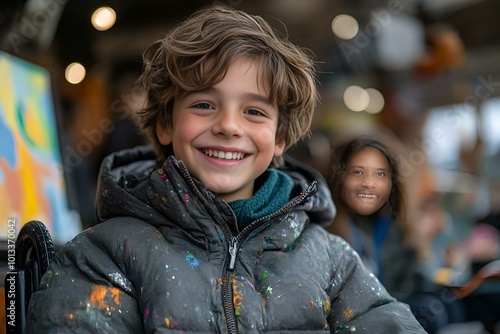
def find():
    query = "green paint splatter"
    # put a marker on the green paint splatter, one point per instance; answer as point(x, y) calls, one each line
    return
point(264, 275)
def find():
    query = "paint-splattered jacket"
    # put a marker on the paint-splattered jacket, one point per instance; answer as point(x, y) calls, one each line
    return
point(165, 261)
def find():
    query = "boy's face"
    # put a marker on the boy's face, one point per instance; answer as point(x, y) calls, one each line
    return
point(366, 182)
point(226, 135)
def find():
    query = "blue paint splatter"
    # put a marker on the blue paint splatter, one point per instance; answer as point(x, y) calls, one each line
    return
point(192, 261)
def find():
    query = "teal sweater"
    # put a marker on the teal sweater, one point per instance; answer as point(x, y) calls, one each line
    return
point(273, 193)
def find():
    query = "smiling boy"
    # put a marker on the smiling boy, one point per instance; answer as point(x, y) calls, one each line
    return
point(226, 134)
point(213, 232)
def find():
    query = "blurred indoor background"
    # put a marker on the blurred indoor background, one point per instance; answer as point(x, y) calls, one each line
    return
point(422, 75)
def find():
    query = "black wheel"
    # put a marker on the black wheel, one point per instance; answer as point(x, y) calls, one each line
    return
point(34, 243)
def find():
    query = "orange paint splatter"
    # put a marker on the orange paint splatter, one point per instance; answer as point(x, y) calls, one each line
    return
point(101, 295)
point(219, 284)
point(311, 304)
point(237, 297)
point(348, 313)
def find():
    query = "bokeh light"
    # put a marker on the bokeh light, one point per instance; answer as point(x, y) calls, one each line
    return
point(376, 101)
point(356, 98)
point(345, 26)
point(75, 73)
point(103, 18)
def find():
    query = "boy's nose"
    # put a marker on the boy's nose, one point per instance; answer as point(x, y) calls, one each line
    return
point(228, 123)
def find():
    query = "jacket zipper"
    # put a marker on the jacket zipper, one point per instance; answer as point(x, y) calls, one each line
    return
point(235, 242)
point(226, 286)
point(234, 246)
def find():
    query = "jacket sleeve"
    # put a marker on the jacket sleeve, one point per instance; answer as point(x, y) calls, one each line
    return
point(359, 302)
point(84, 291)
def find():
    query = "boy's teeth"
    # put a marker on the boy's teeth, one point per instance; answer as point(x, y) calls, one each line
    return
point(224, 155)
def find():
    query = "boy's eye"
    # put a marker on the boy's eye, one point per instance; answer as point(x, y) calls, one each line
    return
point(203, 105)
point(254, 112)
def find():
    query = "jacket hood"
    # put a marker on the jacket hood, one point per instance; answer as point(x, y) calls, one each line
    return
point(122, 176)
point(127, 183)
point(319, 205)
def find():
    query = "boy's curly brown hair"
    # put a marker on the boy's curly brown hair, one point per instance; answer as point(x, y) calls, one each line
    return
point(196, 54)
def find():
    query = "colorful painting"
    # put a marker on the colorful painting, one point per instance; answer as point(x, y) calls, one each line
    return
point(32, 184)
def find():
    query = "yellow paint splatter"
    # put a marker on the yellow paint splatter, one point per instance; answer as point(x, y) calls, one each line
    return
point(171, 324)
point(326, 306)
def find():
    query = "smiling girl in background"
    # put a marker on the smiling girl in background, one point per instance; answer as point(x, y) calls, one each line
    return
point(369, 193)
point(370, 197)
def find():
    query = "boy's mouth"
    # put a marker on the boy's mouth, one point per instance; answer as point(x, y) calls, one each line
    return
point(224, 155)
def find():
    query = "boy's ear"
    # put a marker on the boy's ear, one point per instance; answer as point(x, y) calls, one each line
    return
point(164, 133)
point(279, 148)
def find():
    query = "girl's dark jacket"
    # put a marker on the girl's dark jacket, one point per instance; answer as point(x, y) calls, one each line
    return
point(164, 260)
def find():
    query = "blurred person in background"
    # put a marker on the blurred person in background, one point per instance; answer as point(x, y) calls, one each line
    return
point(369, 194)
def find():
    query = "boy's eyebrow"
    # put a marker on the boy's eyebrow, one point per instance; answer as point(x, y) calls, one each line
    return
point(247, 96)
point(260, 98)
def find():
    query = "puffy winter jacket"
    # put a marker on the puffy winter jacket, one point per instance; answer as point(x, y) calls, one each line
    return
point(164, 260)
